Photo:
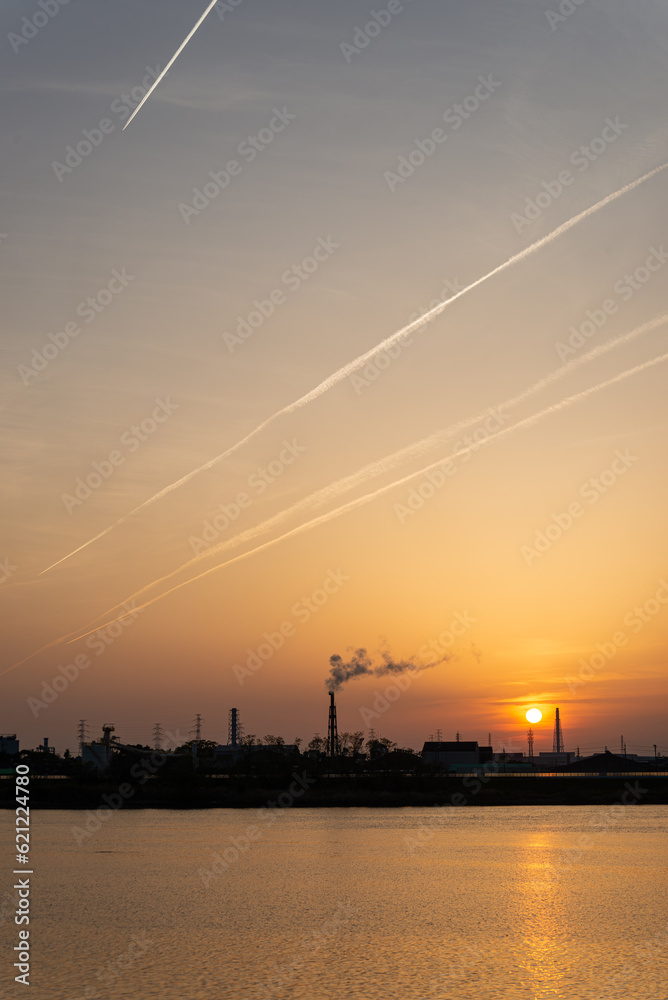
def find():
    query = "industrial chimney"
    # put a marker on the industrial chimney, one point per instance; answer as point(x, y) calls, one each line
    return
point(234, 729)
point(332, 731)
point(558, 739)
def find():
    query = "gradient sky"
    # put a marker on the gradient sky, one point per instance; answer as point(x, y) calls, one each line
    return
point(162, 337)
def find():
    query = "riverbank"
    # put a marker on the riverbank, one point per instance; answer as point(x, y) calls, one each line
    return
point(327, 792)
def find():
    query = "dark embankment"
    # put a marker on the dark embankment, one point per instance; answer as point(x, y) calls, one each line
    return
point(301, 790)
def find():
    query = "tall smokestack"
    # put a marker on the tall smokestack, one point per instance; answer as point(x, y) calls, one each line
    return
point(558, 740)
point(332, 731)
point(233, 728)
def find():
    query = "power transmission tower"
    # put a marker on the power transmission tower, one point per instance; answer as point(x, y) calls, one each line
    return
point(82, 733)
point(530, 741)
point(439, 735)
point(157, 736)
point(198, 727)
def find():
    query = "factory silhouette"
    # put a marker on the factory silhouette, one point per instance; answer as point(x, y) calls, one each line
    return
point(343, 753)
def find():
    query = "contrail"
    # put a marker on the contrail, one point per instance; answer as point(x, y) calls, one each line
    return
point(170, 63)
point(363, 500)
point(389, 462)
point(362, 359)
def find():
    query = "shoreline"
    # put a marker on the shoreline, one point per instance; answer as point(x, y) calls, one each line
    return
point(327, 793)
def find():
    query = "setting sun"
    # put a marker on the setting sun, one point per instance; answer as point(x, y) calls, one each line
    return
point(534, 715)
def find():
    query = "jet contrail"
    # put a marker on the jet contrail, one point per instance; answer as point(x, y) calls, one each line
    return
point(362, 359)
point(361, 501)
point(389, 462)
point(170, 63)
point(321, 496)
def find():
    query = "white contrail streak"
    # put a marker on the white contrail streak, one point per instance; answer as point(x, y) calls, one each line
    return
point(170, 63)
point(359, 501)
point(389, 462)
point(362, 359)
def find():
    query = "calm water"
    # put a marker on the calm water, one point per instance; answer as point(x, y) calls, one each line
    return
point(344, 903)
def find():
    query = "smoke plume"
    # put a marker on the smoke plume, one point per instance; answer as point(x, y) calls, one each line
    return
point(361, 665)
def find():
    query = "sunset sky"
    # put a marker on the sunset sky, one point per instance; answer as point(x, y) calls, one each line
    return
point(341, 205)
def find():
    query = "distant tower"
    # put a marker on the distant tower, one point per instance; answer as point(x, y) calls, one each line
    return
point(157, 736)
point(234, 729)
point(332, 730)
point(489, 739)
point(198, 727)
point(81, 735)
point(439, 735)
point(530, 742)
point(558, 740)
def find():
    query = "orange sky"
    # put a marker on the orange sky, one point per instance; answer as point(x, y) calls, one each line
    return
point(310, 233)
